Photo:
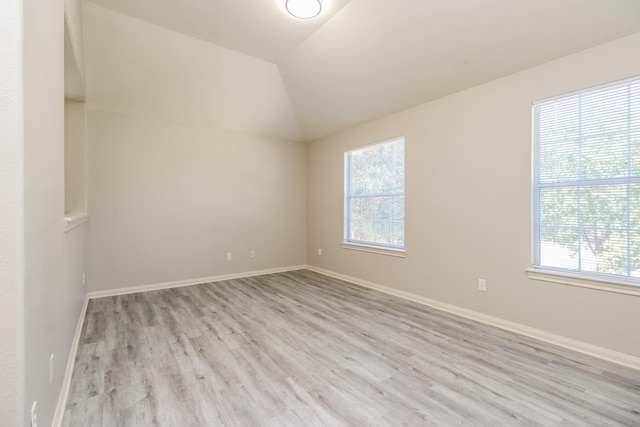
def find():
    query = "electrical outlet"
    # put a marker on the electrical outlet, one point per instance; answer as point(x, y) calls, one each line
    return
point(34, 415)
point(51, 368)
point(252, 253)
point(319, 251)
point(482, 285)
point(228, 256)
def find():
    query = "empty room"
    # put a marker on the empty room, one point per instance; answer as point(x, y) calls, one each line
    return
point(319, 213)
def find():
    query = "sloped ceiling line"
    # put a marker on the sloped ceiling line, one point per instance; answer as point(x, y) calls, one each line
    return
point(362, 60)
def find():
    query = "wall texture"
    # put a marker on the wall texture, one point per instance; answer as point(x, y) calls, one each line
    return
point(468, 203)
point(11, 215)
point(176, 178)
point(168, 200)
point(53, 297)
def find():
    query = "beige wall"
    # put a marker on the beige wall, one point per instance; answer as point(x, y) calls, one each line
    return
point(74, 157)
point(176, 178)
point(468, 203)
point(73, 21)
point(51, 259)
point(11, 215)
point(168, 200)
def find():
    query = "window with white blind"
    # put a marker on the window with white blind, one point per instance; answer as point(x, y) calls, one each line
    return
point(586, 183)
point(374, 195)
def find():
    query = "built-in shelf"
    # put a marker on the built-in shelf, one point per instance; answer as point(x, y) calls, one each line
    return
point(72, 221)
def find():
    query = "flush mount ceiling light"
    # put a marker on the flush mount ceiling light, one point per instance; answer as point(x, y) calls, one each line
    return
point(303, 9)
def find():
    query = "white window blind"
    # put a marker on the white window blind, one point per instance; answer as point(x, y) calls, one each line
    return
point(374, 195)
point(586, 183)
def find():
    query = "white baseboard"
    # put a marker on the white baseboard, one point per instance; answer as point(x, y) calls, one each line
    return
point(68, 373)
point(568, 343)
point(190, 282)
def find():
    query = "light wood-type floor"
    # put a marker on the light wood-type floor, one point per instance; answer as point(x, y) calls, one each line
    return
point(302, 349)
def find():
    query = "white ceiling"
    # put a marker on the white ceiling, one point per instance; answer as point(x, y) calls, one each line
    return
point(136, 67)
point(258, 28)
point(366, 58)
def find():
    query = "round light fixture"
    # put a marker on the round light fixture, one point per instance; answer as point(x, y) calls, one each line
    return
point(304, 9)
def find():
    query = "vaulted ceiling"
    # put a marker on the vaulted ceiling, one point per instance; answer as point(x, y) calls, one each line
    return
point(362, 59)
point(258, 28)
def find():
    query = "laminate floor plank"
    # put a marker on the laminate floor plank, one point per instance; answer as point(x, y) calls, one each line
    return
point(303, 349)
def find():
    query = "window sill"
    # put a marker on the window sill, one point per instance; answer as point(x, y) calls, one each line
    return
point(398, 253)
point(72, 221)
point(575, 280)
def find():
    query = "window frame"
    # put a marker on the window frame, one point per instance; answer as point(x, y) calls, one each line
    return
point(365, 246)
point(594, 280)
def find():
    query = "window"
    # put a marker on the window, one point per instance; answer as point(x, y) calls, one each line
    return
point(374, 195)
point(586, 183)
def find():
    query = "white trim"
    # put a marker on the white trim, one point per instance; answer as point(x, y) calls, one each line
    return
point(190, 282)
point(371, 144)
point(73, 221)
point(582, 282)
point(571, 344)
point(585, 90)
point(68, 373)
point(399, 253)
